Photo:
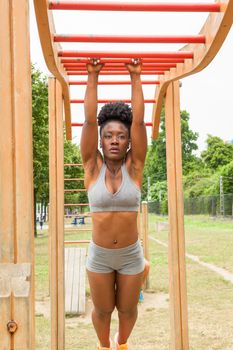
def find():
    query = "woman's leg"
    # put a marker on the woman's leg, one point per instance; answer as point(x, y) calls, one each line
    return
point(127, 294)
point(102, 286)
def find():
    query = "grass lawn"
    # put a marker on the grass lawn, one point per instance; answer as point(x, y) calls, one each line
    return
point(210, 298)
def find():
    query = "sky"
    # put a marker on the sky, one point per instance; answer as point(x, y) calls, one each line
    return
point(207, 96)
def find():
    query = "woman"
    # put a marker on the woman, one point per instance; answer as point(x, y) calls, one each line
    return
point(115, 261)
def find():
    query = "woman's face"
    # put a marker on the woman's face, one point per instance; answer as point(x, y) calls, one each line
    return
point(115, 140)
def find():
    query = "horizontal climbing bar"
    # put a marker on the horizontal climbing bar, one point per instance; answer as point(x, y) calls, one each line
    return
point(123, 60)
point(73, 164)
point(115, 82)
point(81, 124)
point(107, 101)
point(121, 65)
point(109, 69)
point(117, 73)
point(126, 6)
point(74, 179)
point(197, 39)
point(76, 190)
point(118, 54)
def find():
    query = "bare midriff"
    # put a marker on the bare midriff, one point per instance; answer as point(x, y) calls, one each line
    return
point(114, 229)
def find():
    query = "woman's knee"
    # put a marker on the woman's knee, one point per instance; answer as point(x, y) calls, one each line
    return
point(127, 312)
point(102, 313)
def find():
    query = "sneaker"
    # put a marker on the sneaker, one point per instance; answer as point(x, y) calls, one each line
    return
point(120, 346)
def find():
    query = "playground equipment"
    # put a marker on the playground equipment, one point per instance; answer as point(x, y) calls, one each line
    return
point(16, 182)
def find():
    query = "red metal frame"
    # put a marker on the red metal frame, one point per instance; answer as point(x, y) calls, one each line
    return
point(115, 82)
point(116, 6)
point(129, 39)
point(116, 73)
point(123, 60)
point(109, 69)
point(121, 65)
point(118, 54)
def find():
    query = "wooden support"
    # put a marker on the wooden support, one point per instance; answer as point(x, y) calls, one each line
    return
point(145, 236)
point(16, 179)
point(176, 255)
point(75, 281)
point(56, 222)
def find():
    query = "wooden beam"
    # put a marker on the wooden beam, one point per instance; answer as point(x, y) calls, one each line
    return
point(56, 217)
point(50, 49)
point(176, 255)
point(16, 178)
point(145, 236)
point(215, 31)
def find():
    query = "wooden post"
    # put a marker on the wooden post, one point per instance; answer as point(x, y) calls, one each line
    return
point(56, 215)
point(16, 180)
point(145, 236)
point(176, 258)
point(139, 224)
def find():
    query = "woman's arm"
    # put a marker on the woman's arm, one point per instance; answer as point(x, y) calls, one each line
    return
point(138, 128)
point(89, 136)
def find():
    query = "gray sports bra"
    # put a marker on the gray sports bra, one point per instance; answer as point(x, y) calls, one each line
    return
point(127, 198)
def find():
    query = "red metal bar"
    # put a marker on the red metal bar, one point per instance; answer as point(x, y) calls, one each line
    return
point(129, 39)
point(81, 124)
point(116, 73)
point(136, 54)
point(123, 60)
point(120, 65)
point(115, 82)
point(146, 6)
point(107, 101)
point(109, 69)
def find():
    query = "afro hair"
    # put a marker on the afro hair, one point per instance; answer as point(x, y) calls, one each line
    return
point(115, 111)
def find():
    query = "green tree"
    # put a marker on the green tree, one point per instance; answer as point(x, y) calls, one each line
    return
point(40, 138)
point(227, 173)
point(218, 153)
point(155, 165)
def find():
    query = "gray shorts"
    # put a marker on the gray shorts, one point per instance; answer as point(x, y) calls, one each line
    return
point(127, 261)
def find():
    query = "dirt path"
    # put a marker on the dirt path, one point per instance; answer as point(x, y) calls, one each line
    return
point(219, 270)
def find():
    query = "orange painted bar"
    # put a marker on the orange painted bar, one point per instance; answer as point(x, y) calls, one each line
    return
point(123, 60)
point(109, 69)
point(117, 73)
point(126, 6)
point(123, 54)
point(197, 39)
point(121, 65)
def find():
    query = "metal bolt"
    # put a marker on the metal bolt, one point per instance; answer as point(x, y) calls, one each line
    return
point(12, 326)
